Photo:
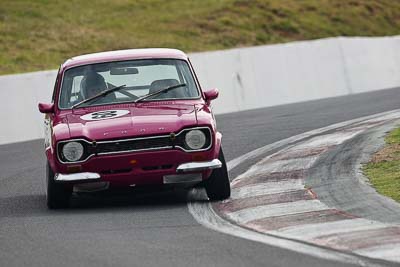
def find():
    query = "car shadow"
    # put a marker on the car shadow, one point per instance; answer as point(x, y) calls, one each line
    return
point(123, 200)
point(35, 205)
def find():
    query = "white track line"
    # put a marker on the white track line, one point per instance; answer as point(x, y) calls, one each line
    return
point(287, 165)
point(266, 188)
point(327, 140)
point(250, 214)
point(387, 252)
point(311, 231)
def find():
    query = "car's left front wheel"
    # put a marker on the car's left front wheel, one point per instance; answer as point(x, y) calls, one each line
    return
point(58, 195)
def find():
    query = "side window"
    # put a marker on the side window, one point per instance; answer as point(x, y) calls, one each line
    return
point(76, 89)
point(53, 97)
point(73, 95)
point(187, 78)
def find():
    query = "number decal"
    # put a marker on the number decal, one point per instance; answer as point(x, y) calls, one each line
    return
point(104, 114)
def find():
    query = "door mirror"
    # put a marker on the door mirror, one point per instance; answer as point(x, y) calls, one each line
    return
point(211, 94)
point(46, 108)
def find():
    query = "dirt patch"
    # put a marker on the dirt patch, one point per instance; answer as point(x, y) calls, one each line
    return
point(388, 153)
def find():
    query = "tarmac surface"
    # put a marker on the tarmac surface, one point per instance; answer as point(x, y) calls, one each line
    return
point(154, 229)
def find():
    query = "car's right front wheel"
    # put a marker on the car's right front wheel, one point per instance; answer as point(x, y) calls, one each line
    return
point(218, 186)
point(58, 195)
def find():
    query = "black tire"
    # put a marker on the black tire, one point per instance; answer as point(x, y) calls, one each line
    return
point(218, 186)
point(58, 195)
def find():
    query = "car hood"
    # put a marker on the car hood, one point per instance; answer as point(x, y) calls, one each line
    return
point(113, 122)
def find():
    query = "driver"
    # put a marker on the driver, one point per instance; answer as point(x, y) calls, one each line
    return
point(92, 84)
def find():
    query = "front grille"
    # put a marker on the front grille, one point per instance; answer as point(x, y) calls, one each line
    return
point(134, 145)
point(130, 145)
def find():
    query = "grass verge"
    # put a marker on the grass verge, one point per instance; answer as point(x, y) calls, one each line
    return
point(383, 170)
point(41, 34)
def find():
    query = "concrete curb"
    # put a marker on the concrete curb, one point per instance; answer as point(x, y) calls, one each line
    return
point(272, 199)
point(338, 180)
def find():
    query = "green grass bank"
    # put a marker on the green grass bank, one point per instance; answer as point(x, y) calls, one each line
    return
point(41, 34)
point(384, 169)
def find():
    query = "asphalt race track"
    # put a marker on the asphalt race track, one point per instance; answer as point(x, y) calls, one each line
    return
point(154, 229)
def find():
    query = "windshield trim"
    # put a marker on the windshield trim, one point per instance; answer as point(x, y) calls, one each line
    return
point(126, 102)
point(132, 102)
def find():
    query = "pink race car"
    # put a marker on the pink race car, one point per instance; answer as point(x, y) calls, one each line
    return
point(131, 118)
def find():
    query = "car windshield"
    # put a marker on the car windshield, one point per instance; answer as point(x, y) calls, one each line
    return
point(135, 78)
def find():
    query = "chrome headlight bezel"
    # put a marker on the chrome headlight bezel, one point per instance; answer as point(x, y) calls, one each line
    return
point(204, 132)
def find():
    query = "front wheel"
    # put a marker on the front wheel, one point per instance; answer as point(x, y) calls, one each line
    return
point(217, 186)
point(58, 195)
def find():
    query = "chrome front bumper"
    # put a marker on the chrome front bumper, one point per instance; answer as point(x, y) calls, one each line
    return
point(80, 176)
point(199, 166)
point(182, 175)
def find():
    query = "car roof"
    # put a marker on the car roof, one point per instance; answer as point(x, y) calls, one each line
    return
point(120, 55)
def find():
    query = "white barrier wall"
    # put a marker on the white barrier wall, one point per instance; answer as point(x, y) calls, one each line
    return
point(20, 94)
point(247, 78)
point(270, 75)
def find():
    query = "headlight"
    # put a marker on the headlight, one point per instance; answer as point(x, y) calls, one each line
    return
point(195, 139)
point(72, 151)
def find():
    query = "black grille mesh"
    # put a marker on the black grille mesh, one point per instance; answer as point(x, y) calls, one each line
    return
point(141, 144)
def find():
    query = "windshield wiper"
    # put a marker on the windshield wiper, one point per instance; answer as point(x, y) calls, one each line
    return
point(102, 94)
point(164, 90)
